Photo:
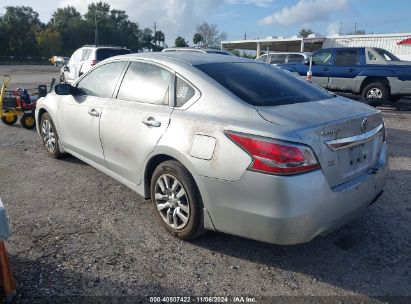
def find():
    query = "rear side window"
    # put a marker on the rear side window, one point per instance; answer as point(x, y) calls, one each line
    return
point(184, 92)
point(346, 57)
point(146, 83)
point(101, 81)
point(263, 85)
point(277, 59)
point(102, 54)
point(295, 58)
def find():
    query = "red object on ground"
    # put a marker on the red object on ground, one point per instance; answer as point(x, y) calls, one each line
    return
point(9, 286)
point(405, 42)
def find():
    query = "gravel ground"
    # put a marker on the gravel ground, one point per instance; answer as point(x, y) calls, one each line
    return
point(77, 232)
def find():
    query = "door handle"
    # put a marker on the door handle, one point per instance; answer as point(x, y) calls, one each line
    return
point(325, 69)
point(151, 122)
point(93, 112)
point(350, 70)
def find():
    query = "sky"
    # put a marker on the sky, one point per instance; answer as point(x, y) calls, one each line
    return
point(249, 18)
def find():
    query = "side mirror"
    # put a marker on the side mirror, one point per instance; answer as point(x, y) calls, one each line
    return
point(63, 89)
point(66, 68)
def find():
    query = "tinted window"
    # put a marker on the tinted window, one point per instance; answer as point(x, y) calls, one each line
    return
point(262, 58)
point(102, 54)
point(146, 83)
point(295, 58)
point(346, 57)
point(322, 57)
point(101, 81)
point(263, 85)
point(184, 92)
point(276, 59)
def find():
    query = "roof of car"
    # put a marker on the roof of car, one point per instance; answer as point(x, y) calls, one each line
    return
point(191, 49)
point(189, 58)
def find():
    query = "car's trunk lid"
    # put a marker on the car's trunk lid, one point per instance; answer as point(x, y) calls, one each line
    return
point(320, 123)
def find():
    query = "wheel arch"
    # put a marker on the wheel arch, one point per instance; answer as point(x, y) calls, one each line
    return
point(370, 79)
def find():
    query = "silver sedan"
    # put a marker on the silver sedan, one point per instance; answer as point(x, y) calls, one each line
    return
point(222, 143)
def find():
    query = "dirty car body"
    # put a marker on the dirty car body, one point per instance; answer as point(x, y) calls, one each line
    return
point(267, 156)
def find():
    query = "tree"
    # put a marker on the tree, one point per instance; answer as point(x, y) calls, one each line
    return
point(20, 24)
point(197, 38)
point(181, 42)
point(212, 37)
point(147, 39)
point(159, 37)
point(305, 33)
point(49, 42)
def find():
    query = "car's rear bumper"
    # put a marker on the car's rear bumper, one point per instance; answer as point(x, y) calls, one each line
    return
point(290, 209)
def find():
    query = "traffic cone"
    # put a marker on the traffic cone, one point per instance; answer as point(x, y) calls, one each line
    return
point(309, 75)
point(9, 286)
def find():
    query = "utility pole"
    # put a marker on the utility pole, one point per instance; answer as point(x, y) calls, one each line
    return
point(245, 36)
point(95, 31)
point(355, 28)
point(341, 24)
point(155, 31)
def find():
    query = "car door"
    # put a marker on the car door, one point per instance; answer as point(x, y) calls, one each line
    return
point(132, 125)
point(79, 114)
point(345, 70)
point(321, 67)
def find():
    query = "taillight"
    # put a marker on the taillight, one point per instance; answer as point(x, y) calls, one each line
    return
point(94, 62)
point(275, 157)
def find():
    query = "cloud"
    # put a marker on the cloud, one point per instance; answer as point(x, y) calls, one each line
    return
point(260, 3)
point(305, 11)
point(333, 29)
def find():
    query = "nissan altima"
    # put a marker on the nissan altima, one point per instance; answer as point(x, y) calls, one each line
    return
point(222, 143)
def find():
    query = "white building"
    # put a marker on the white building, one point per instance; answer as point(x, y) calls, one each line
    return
point(390, 42)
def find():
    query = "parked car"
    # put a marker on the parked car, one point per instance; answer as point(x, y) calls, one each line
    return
point(372, 72)
point(222, 143)
point(283, 57)
point(84, 58)
point(59, 60)
point(196, 50)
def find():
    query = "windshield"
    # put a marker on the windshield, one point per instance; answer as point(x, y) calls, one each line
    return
point(263, 85)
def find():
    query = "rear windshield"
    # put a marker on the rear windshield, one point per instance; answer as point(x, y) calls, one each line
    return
point(262, 84)
point(102, 54)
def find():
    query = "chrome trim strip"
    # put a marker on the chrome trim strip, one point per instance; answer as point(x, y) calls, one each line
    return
point(347, 142)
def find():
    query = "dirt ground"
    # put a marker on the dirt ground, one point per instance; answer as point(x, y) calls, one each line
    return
point(78, 233)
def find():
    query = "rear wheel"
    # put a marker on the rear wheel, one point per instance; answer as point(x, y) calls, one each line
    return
point(9, 119)
point(177, 200)
point(28, 121)
point(49, 135)
point(375, 93)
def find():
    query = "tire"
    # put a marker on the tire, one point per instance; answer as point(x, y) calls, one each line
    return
point(9, 120)
point(375, 93)
point(28, 121)
point(49, 136)
point(188, 205)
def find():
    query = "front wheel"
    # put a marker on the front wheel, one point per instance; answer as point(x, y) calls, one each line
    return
point(49, 136)
point(177, 200)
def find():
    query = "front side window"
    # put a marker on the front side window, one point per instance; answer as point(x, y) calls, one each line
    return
point(146, 83)
point(346, 57)
point(262, 58)
point(262, 84)
point(101, 81)
point(322, 57)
